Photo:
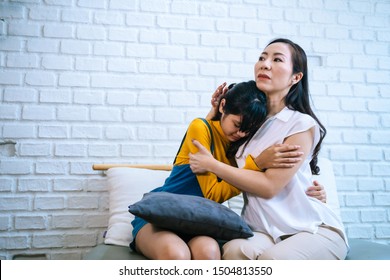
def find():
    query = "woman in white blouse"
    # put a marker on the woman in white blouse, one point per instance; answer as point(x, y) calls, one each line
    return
point(286, 222)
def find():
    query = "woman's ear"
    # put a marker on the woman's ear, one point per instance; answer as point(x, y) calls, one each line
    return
point(222, 105)
point(296, 78)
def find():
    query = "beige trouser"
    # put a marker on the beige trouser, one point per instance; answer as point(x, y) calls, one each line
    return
point(326, 244)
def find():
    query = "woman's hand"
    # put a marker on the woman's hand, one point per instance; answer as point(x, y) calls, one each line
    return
point(200, 162)
point(317, 191)
point(279, 156)
point(218, 93)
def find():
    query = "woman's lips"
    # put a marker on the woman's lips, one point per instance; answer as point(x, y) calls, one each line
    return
point(263, 76)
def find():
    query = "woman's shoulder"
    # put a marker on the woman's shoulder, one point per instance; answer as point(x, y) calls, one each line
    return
point(296, 116)
point(300, 121)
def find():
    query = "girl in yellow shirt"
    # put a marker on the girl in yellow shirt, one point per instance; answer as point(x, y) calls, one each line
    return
point(240, 113)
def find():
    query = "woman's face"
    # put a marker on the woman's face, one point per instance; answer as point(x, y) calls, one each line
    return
point(273, 71)
point(231, 124)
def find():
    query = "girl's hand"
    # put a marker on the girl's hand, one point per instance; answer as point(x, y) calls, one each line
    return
point(317, 191)
point(218, 93)
point(199, 162)
point(279, 156)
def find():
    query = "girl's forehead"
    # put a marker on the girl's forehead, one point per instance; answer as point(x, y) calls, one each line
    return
point(234, 118)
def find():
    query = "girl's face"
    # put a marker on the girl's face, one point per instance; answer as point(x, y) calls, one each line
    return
point(273, 71)
point(230, 125)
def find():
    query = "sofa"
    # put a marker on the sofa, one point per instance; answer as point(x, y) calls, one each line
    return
point(128, 183)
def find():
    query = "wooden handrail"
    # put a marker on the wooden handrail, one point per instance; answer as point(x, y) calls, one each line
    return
point(106, 166)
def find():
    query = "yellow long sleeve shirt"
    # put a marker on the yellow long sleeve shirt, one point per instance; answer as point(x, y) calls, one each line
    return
point(212, 187)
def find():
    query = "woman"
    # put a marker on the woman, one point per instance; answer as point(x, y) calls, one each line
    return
point(240, 113)
point(287, 224)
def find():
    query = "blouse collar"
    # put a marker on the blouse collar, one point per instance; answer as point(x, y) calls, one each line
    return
point(284, 115)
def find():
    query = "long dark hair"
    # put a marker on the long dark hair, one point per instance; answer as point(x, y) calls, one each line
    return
point(247, 100)
point(298, 96)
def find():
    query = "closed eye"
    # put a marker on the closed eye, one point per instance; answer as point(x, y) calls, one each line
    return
point(237, 124)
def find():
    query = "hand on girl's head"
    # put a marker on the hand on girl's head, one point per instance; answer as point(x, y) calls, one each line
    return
point(218, 93)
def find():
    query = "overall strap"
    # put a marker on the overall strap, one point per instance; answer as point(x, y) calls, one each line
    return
point(211, 133)
point(212, 139)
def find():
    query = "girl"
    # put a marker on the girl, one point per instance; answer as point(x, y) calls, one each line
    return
point(240, 113)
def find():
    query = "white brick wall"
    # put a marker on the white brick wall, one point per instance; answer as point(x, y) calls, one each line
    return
point(85, 82)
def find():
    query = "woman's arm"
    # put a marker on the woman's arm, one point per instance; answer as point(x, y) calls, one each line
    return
point(286, 156)
point(264, 184)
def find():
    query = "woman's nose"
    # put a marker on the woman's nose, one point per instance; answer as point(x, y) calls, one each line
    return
point(265, 64)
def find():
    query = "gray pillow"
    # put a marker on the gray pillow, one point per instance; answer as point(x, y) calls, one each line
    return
point(190, 214)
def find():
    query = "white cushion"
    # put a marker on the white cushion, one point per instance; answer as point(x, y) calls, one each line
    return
point(127, 186)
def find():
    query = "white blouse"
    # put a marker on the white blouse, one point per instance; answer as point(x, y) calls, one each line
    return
point(291, 210)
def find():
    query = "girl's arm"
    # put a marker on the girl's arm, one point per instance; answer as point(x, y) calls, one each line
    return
point(279, 156)
point(263, 184)
point(212, 187)
point(317, 191)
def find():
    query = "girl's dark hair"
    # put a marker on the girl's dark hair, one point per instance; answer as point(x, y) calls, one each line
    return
point(298, 96)
point(247, 100)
